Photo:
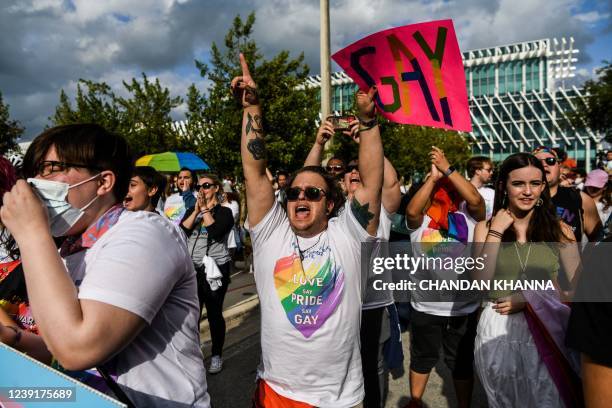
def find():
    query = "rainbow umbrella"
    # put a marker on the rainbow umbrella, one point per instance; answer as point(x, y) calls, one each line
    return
point(173, 161)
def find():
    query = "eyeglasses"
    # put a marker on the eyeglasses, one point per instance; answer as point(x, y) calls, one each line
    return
point(48, 167)
point(551, 161)
point(351, 167)
point(332, 168)
point(206, 186)
point(311, 193)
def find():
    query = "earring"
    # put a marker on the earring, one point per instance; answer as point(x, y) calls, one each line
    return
point(539, 202)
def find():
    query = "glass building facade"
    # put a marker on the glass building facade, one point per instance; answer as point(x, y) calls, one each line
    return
point(518, 99)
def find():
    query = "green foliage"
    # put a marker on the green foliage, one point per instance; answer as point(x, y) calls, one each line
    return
point(407, 147)
point(597, 111)
point(143, 117)
point(10, 130)
point(146, 121)
point(289, 114)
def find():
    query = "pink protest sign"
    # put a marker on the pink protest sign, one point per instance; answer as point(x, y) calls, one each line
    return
point(418, 71)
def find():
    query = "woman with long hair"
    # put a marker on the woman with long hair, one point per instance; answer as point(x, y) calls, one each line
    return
point(520, 360)
point(207, 226)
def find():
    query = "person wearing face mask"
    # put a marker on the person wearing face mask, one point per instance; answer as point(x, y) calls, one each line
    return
point(208, 226)
point(123, 289)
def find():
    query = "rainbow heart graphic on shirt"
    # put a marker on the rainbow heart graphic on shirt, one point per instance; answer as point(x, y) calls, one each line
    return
point(308, 297)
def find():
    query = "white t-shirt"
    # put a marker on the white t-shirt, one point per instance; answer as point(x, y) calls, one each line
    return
point(141, 264)
point(310, 315)
point(432, 236)
point(603, 213)
point(373, 299)
point(174, 207)
point(488, 195)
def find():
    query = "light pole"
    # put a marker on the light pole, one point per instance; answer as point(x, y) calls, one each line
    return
point(325, 63)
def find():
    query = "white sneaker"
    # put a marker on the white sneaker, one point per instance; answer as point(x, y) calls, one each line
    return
point(216, 365)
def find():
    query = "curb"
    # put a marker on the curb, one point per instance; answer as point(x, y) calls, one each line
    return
point(235, 312)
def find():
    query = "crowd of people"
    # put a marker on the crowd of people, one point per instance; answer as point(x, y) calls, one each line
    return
point(106, 268)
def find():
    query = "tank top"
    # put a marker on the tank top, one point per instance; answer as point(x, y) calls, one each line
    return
point(568, 203)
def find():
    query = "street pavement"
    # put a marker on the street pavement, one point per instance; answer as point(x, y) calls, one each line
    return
point(234, 386)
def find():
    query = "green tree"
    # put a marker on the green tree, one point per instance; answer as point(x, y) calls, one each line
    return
point(597, 111)
point(143, 117)
point(94, 104)
point(407, 147)
point(10, 130)
point(289, 113)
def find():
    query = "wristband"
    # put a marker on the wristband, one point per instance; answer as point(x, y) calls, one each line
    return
point(496, 234)
point(17, 335)
point(367, 125)
point(449, 171)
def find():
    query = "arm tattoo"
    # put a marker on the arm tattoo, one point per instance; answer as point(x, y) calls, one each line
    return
point(257, 147)
point(254, 124)
point(361, 212)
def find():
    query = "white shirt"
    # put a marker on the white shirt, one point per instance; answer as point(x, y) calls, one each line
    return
point(310, 309)
point(372, 298)
point(432, 237)
point(141, 264)
point(488, 195)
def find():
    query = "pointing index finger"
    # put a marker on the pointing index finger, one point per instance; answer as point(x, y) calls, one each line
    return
point(244, 66)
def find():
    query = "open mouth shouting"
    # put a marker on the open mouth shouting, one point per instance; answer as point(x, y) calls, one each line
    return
point(302, 211)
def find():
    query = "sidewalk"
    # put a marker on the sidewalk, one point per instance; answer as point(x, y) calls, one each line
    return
point(241, 301)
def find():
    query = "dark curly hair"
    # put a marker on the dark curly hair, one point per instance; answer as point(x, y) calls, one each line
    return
point(544, 226)
point(333, 191)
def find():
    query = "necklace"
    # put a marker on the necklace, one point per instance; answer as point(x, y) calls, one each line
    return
point(523, 265)
point(307, 249)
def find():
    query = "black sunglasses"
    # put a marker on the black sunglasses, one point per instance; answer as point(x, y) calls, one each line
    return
point(206, 186)
point(337, 167)
point(551, 161)
point(311, 193)
point(351, 167)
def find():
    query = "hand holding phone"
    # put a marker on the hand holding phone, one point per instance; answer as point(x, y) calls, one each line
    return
point(341, 122)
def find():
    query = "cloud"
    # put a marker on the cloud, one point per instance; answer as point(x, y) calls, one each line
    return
point(47, 45)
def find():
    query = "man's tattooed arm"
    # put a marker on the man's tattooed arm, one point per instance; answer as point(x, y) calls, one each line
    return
point(254, 124)
point(256, 146)
point(361, 212)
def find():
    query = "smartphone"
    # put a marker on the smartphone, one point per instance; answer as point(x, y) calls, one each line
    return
point(341, 122)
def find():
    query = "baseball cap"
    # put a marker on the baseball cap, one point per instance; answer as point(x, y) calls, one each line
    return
point(596, 178)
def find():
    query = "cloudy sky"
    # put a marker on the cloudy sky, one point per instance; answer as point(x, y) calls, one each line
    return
point(47, 45)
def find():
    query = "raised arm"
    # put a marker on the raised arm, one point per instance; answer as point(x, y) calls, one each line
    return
point(365, 204)
point(315, 156)
point(416, 206)
point(474, 201)
point(391, 194)
point(259, 191)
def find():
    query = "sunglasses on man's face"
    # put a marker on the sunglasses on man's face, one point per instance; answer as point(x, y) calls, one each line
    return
point(310, 193)
point(334, 168)
point(351, 167)
point(205, 186)
point(551, 161)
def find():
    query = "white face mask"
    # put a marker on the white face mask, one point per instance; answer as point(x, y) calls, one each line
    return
point(62, 215)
